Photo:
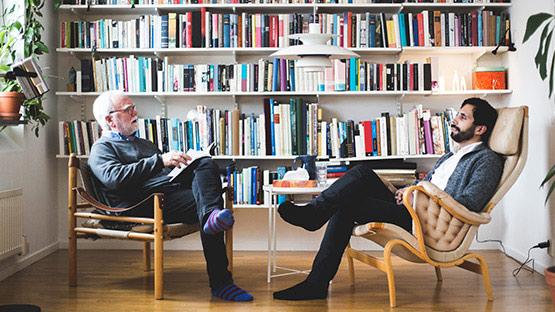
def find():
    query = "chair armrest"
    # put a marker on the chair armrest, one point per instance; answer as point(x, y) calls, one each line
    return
point(448, 203)
point(93, 202)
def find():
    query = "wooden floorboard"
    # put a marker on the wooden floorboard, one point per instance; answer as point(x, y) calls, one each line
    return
point(113, 280)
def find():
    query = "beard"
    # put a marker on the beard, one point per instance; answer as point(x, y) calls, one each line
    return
point(462, 136)
point(127, 129)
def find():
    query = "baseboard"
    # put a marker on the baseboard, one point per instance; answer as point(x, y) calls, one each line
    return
point(27, 260)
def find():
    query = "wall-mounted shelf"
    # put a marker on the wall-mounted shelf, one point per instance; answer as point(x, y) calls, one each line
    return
point(285, 7)
point(334, 160)
point(477, 51)
point(77, 95)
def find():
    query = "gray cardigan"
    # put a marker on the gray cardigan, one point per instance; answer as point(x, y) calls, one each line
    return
point(475, 178)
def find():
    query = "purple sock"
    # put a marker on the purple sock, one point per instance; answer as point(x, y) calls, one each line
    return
point(231, 292)
point(218, 221)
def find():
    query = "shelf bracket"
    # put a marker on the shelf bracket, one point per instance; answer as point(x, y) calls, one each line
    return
point(78, 98)
point(478, 56)
point(399, 105)
point(83, 111)
point(76, 13)
point(235, 103)
point(163, 107)
point(75, 54)
point(235, 56)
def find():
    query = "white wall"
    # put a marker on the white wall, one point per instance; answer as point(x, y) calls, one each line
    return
point(522, 217)
point(28, 162)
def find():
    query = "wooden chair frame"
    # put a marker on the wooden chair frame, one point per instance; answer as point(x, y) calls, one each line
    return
point(385, 265)
point(157, 236)
point(420, 251)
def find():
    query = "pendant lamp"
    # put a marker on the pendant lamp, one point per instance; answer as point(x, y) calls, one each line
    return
point(314, 55)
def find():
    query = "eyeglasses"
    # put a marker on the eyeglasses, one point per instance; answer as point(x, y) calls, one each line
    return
point(129, 110)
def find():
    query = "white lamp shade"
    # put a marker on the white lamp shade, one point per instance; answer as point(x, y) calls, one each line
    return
point(314, 55)
point(297, 51)
point(314, 63)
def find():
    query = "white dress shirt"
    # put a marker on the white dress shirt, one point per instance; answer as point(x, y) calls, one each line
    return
point(445, 170)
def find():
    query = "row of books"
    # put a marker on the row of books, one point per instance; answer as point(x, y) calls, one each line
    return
point(357, 30)
point(140, 74)
point(115, 2)
point(294, 128)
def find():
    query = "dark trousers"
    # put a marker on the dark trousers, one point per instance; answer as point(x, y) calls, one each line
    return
point(358, 197)
point(193, 202)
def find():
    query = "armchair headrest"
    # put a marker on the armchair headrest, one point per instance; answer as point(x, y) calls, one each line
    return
point(505, 136)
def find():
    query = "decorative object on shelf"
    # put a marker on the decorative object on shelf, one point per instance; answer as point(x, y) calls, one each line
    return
point(308, 162)
point(488, 78)
point(12, 30)
point(314, 55)
point(71, 86)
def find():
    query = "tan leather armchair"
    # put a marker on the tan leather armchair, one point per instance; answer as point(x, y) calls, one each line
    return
point(146, 230)
point(443, 228)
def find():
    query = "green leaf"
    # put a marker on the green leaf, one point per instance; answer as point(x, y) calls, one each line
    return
point(549, 175)
point(551, 75)
point(57, 4)
point(41, 47)
point(534, 23)
point(549, 193)
point(541, 58)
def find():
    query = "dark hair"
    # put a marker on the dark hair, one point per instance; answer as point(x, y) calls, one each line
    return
point(484, 115)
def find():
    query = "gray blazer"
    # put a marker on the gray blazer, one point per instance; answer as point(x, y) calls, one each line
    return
point(475, 178)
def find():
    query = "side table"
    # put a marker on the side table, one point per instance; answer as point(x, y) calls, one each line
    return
point(272, 193)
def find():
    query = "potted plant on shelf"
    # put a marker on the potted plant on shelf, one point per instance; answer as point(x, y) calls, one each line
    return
point(544, 52)
point(27, 29)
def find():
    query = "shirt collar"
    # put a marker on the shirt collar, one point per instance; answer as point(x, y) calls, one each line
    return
point(466, 149)
point(120, 136)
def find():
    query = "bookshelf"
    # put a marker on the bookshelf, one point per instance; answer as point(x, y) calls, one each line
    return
point(177, 103)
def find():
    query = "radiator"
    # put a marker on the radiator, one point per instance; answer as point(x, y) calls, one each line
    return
point(11, 219)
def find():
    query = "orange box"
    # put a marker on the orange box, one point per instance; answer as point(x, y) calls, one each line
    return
point(488, 78)
point(285, 183)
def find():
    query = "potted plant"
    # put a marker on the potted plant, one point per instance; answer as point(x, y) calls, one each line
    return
point(541, 60)
point(28, 31)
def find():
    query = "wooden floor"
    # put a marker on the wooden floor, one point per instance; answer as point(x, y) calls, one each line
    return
point(110, 280)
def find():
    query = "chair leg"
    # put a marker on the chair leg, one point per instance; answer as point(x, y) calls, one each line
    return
point(229, 249)
point(479, 268)
point(158, 251)
point(72, 258)
point(485, 275)
point(351, 266)
point(146, 256)
point(438, 274)
point(389, 272)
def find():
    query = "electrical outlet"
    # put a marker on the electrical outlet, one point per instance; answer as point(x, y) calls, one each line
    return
point(551, 248)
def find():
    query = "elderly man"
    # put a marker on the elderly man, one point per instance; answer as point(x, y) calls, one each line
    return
point(130, 168)
point(470, 175)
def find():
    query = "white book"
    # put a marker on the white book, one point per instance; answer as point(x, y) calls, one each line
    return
point(383, 136)
point(397, 30)
point(323, 139)
point(196, 156)
point(159, 132)
point(425, 16)
point(334, 138)
point(261, 75)
point(241, 139)
point(411, 34)
point(261, 134)
point(266, 181)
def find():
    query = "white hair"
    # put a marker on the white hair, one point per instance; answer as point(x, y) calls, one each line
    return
point(103, 105)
